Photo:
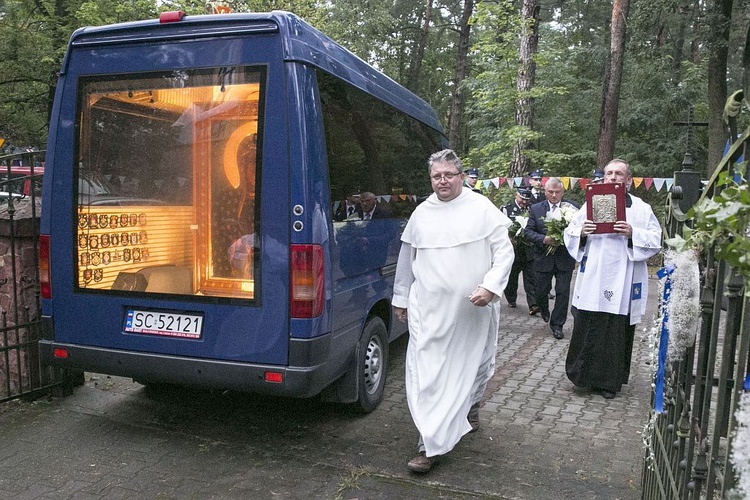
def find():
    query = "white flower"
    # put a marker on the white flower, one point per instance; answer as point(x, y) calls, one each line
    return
point(522, 221)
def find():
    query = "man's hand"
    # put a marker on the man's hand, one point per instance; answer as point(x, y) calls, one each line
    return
point(588, 228)
point(480, 297)
point(623, 228)
point(550, 241)
point(400, 314)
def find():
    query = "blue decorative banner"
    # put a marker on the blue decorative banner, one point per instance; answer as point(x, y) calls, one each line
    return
point(665, 272)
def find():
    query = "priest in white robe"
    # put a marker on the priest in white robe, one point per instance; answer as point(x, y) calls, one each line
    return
point(611, 289)
point(453, 267)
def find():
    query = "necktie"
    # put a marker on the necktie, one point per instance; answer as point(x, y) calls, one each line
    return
point(554, 207)
point(367, 216)
point(350, 211)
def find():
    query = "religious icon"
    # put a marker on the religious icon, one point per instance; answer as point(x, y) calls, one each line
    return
point(104, 240)
point(98, 275)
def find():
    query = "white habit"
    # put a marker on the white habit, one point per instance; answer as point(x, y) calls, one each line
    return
point(448, 248)
point(607, 259)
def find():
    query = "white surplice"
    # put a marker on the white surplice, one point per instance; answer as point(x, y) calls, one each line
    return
point(613, 275)
point(448, 248)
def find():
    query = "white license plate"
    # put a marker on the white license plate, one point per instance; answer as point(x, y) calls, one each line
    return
point(163, 323)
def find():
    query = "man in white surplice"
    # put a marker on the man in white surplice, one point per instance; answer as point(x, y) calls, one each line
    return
point(453, 267)
point(611, 289)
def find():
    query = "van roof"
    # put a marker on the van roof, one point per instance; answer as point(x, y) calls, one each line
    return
point(301, 42)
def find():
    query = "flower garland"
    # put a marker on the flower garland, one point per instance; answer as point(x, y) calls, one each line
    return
point(674, 328)
point(683, 305)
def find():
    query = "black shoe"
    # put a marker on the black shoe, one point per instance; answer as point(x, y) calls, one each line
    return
point(533, 310)
point(558, 333)
point(607, 394)
point(512, 305)
point(545, 316)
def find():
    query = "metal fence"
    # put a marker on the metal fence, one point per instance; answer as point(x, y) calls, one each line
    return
point(692, 441)
point(21, 373)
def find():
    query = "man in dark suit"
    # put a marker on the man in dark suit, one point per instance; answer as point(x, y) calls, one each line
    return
point(349, 208)
point(371, 209)
point(524, 252)
point(551, 259)
point(537, 191)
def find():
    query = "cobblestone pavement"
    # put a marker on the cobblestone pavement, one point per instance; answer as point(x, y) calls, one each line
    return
point(540, 438)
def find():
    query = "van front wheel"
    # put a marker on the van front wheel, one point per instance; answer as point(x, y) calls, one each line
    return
point(372, 364)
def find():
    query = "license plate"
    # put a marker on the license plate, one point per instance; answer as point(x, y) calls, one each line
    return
point(163, 323)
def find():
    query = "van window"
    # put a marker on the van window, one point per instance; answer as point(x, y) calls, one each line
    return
point(373, 149)
point(167, 176)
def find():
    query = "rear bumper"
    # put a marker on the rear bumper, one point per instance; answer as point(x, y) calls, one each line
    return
point(297, 381)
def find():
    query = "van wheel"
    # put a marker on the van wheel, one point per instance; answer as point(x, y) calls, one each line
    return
point(372, 364)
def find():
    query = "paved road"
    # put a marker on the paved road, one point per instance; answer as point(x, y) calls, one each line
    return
point(540, 438)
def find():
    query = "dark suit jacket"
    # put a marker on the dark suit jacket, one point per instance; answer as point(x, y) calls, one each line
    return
point(536, 231)
point(379, 213)
point(340, 213)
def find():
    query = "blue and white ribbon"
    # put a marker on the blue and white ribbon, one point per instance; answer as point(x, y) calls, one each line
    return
point(665, 272)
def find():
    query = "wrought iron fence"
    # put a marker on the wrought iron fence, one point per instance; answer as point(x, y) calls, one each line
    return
point(21, 373)
point(692, 441)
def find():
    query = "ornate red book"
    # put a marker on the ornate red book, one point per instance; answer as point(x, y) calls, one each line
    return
point(605, 205)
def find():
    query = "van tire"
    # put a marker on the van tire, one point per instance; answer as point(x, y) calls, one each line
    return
point(372, 364)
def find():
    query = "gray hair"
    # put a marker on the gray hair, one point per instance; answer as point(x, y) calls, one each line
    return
point(446, 155)
point(554, 181)
point(618, 160)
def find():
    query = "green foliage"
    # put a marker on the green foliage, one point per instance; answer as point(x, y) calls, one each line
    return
point(722, 223)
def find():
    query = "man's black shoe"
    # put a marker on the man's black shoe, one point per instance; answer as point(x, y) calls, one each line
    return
point(557, 333)
point(607, 394)
point(545, 316)
point(512, 305)
point(533, 310)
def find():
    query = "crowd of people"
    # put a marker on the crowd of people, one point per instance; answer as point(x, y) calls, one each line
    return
point(460, 254)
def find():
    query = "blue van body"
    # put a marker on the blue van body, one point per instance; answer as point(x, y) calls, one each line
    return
point(251, 338)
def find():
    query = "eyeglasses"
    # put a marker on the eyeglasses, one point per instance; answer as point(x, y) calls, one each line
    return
point(448, 177)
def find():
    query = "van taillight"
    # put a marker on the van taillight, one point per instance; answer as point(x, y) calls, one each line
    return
point(45, 287)
point(307, 281)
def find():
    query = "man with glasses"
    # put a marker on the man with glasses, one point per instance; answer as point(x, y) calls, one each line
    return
point(453, 266)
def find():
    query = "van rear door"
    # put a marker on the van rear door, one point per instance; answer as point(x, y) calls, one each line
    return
point(174, 155)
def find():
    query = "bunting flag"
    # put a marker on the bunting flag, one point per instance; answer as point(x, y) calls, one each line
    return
point(572, 182)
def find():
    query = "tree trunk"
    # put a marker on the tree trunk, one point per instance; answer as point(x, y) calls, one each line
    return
point(520, 163)
point(612, 81)
point(462, 68)
point(718, 43)
point(416, 62)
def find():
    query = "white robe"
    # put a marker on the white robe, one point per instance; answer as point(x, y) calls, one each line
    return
point(448, 249)
point(613, 277)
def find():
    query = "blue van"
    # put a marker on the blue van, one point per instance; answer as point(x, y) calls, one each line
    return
point(223, 201)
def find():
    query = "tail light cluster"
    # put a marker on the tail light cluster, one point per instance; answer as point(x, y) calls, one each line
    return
point(45, 287)
point(307, 281)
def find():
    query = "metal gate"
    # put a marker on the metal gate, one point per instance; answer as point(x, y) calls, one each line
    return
point(692, 441)
point(21, 373)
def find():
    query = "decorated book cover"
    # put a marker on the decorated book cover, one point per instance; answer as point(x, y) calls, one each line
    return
point(605, 205)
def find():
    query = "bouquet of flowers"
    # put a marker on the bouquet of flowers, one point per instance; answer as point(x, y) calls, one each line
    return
point(516, 230)
point(556, 222)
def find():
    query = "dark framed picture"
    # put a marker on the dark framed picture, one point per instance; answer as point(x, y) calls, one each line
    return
point(605, 205)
